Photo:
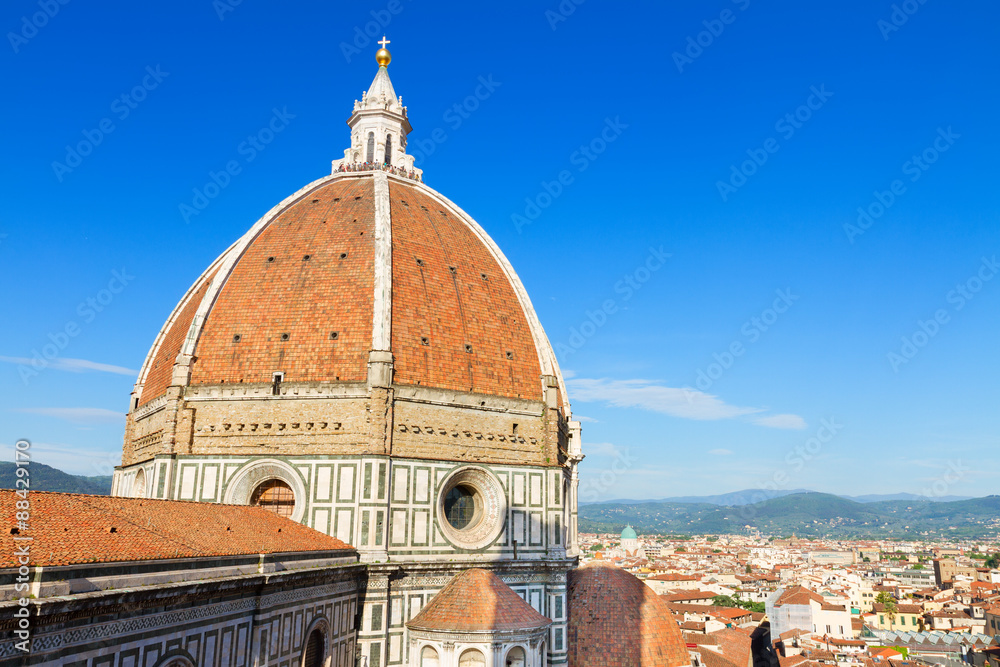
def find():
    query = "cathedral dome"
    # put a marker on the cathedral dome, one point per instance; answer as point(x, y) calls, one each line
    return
point(355, 262)
point(366, 314)
point(365, 361)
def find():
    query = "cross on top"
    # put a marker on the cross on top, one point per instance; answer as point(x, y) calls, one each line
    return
point(384, 41)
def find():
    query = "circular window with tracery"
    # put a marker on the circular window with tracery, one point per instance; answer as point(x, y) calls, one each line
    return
point(463, 506)
point(275, 496)
point(472, 508)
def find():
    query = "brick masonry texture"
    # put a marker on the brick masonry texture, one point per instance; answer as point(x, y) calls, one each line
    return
point(71, 528)
point(289, 427)
point(452, 309)
point(325, 405)
point(158, 377)
point(496, 608)
point(615, 620)
point(467, 435)
point(264, 299)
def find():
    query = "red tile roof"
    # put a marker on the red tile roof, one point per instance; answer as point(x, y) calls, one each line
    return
point(692, 625)
point(310, 272)
point(735, 646)
point(884, 652)
point(456, 295)
point(681, 596)
point(731, 613)
point(73, 528)
point(791, 660)
point(273, 291)
point(477, 601)
point(799, 595)
point(615, 620)
point(845, 642)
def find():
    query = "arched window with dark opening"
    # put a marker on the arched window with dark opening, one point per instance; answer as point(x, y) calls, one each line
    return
point(315, 651)
point(275, 496)
point(371, 147)
point(388, 149)
point(516, 657)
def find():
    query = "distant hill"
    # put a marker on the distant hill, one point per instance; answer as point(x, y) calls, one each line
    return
point(47, 478)
point(734, 498)
point(804, 514)
point(750, 496)
point(875, 498)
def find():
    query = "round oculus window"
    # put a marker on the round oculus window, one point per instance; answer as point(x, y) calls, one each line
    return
point(472, 508)
point(460, 506)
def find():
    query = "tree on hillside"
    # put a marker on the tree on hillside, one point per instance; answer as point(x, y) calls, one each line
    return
point(993, 562)
point(749, 569)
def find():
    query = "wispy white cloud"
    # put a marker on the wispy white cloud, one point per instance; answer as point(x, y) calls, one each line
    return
point(68, 364)
point(686, 403)
point(720, 452)
point(647, 395)
point(586, 420)
point(781, 421)
point(78, 415)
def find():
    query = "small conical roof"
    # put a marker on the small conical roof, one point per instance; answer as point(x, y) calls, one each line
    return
point(381, 92)
point(477, 601)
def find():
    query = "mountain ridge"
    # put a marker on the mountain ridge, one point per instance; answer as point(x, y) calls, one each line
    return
point(750, 496)
point(47, 478)
point(806, 514)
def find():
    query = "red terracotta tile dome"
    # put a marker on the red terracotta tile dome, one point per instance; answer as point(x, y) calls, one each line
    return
point(615, 620)
point(299, 294)
point(476, 600)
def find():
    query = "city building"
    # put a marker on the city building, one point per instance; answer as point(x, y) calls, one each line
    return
point(798, 608)
point(830, 557)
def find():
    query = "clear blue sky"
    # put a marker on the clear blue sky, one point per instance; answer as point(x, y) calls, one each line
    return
point(833, 100)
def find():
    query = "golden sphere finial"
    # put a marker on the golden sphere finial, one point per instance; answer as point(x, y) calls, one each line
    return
point(382, 56)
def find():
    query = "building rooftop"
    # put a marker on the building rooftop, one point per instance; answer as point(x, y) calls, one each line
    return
point(615, 619)
point(74, 528)
point(476, 600)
